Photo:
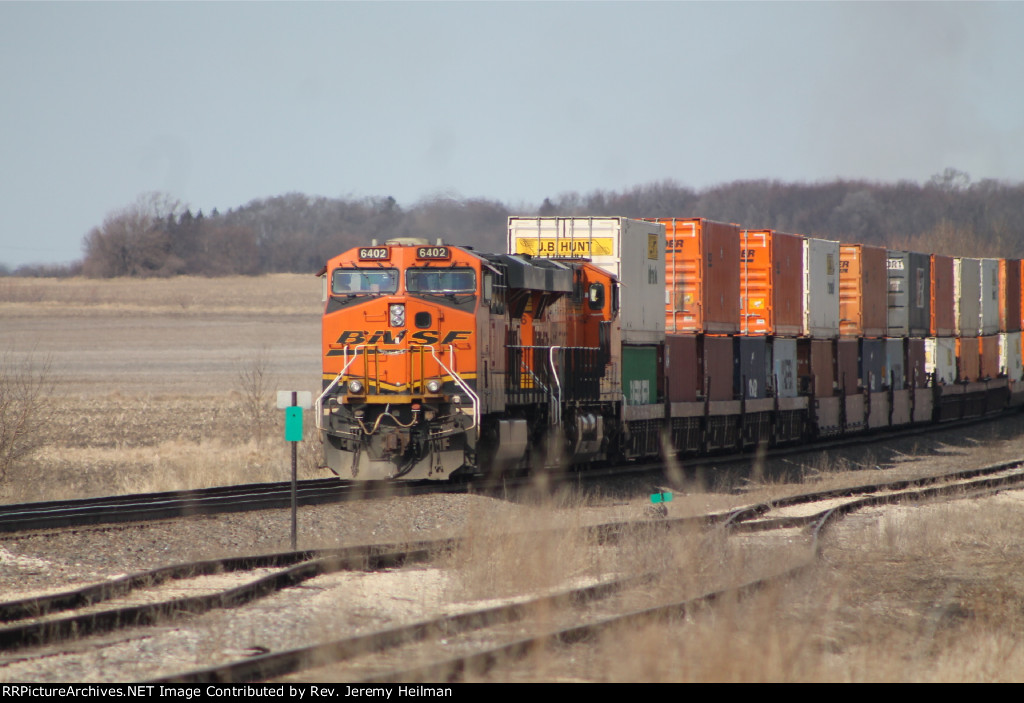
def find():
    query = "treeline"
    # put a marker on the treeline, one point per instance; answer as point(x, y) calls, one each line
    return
point(158, 236)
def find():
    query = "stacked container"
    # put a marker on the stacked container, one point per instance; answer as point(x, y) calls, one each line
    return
point(702, 276)
point(821, 288)
point(771, 291)
point(940, 346)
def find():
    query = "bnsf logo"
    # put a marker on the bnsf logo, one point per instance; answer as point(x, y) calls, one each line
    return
point(424, 337)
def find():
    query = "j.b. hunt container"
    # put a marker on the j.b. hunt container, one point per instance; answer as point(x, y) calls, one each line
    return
point(633, 250)
point(702, 276)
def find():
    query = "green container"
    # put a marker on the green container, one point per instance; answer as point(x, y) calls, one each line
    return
point(640, 375)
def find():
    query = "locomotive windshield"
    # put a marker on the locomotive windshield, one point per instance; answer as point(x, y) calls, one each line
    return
point(441, 280)
point(364, 281)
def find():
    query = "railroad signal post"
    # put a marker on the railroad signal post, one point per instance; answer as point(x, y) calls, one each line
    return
point(293, 402)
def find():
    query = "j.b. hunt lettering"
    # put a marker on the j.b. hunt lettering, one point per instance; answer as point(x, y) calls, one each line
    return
point(423, 337)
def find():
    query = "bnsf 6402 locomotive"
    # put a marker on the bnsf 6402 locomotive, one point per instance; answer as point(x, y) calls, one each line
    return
point(439, 360)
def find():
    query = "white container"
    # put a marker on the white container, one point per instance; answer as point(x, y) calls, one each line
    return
point(1011, 360)
point(940, 358)
point(633, 250)
point(821, 288)
point(967, 296)
point(989, 296)
point(895, 364)
point(784, 367)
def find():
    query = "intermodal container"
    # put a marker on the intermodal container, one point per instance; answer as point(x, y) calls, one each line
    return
point(914, 366)
point(989, 296)
point(847, 364)
point(821, 288)
point(909, 275)
point(943, 306)
point(1009, 295)
point(632, 250)
point(863, 304)
point(702, 276)
point(988, 348)
point(771, 284)
point(640, 374)
point(784, 367)
point(1010, 359)
point(872, 364)
point(718, 367)
point(751, 366)
point(940, 359)
point(968, 359)
point(816, 367)
point(685, 372)
point(895, 364)
point(967, 296)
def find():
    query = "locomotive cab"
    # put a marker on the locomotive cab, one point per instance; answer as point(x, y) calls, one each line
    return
point(399, 361)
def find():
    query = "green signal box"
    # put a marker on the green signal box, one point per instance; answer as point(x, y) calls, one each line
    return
point(293, 424)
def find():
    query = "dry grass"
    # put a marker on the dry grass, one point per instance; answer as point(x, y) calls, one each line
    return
point(917, 594)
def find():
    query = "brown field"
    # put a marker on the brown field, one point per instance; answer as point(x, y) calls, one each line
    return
point(152, 390)
point(148, 388)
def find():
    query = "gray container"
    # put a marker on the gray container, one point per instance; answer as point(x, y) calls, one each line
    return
point(989, 296)
point(967, 296)
point(895, 364)
point(872, 364)
point(821, 288)
point(909, 275)
point(784, 367)
point(751, 366)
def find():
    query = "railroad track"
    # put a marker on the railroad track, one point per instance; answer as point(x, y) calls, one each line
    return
point(109, 510)
point(510, 629)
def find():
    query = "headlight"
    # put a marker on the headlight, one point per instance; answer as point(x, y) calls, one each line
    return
point(433, 386)
point(396, 311)
point(355, 386)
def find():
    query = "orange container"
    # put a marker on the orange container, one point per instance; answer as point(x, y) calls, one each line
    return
point(968, 358)
point(702, 275)
point(863, 291)
point(771, 283)
point(1009, 295)
point(943, 315)
point(988, 346)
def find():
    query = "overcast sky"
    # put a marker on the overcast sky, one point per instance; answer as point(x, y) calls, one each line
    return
point(220, 103)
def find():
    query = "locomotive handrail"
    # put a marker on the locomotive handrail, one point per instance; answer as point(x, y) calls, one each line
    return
point(458, 380)
point(556, 415)
point(330, 387)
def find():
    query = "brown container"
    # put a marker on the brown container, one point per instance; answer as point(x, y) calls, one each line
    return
point(863, 291)
point(989, 354)
point(771, 283)
point(815, 362)
point(718, 367)
point(846, 366)
point(702, 275)
point(968, 359)
point(943, 317)
point(916, 376)
point(1009, 295)
point(685, 367)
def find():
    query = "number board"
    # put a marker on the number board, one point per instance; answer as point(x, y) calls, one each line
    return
point(374, 254)
point(433, 253)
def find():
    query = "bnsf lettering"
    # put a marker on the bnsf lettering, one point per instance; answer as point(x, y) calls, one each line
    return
point(373, 253)
point(425, 337)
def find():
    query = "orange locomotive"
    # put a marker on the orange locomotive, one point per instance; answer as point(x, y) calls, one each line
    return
point(440, 361)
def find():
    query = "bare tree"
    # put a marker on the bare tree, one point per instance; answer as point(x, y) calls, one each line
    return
point(24, 386)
